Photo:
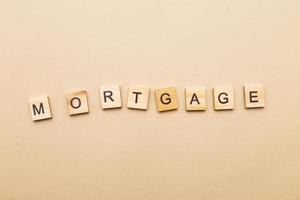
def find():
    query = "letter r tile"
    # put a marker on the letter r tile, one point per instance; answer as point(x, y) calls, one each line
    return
point(40, 108)
point(110, 97)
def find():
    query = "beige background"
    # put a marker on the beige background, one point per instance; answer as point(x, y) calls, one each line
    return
point(50, 47)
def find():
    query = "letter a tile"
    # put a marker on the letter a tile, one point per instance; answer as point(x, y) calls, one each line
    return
point(166, 99)
point(77, 102)
point(195, 98)
point(40, 108)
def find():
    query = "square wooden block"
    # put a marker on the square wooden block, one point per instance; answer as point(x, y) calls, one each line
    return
point(224, 98)
point(166, 99)
point(138, 97)
point(195, 98)
point(40, 108)
point(254, 95)
point(110, 97)
point(77, 102)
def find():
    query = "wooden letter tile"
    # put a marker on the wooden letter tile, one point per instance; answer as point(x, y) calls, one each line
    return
point(77, 103)
point(110, 97)
point(166, 99)
point(223, 98)
point(254, 95)
point(40, 108)
point(138, 97)
point(195, 98)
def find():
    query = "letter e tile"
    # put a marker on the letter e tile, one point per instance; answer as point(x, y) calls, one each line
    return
point(254, 95)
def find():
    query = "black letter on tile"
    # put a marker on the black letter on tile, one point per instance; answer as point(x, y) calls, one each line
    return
point(168, 99)
point(194, 98)
point(78, 100)
point(252, 96)
point(225, 99)
point(38, 111)
point(108, 94)
point(136, 96)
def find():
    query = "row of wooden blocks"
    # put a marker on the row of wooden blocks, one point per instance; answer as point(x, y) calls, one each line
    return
point(138, 98)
